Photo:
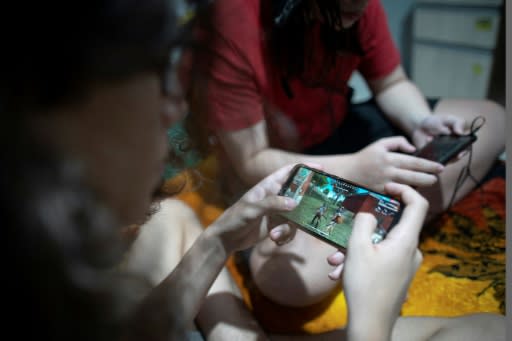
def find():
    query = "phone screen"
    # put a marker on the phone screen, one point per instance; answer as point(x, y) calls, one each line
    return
point(443, 148)
point(328, 204)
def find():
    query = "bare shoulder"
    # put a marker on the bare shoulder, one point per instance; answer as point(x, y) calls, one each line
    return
point(163, 240)
point(175, 209)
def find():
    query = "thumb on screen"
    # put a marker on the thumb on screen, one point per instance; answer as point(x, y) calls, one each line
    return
point(362, 230)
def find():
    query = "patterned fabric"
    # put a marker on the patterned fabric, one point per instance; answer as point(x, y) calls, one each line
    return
point(464, 258)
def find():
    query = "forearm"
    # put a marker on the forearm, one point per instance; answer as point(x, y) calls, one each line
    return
point(404, 105)
point(252, 157)
point(195, 274)
point(268, 160)
point(239, 325)
point(234, 321)
point(173, 304)
point(368, 329)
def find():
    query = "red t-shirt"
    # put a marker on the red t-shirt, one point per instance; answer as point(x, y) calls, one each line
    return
point(243, 83)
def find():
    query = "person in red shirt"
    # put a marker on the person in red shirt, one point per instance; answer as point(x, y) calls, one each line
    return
point(277, 94)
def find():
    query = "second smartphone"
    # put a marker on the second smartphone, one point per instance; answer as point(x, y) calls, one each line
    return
point(444, 148)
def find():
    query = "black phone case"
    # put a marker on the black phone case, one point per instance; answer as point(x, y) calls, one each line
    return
point(443, 148)
point(396, 218)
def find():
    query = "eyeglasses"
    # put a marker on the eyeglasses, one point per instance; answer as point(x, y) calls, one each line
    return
point(170, 84)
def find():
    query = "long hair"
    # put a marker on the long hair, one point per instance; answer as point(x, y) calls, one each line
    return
point(198, 135)
point(290, 40)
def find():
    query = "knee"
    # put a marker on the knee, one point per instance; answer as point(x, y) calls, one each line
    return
point(277, 279)
point(491, 326)
point(493, 113)
point(287, 277)
point(494, 127)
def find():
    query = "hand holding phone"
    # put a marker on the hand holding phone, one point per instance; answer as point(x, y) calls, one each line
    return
point(444, 148)
point(327, 205)
point(380, 277)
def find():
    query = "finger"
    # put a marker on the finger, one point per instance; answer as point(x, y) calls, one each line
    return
point(336, 274)
point(413, 215)
point(397, 143)
point(269, 205)
point(444, 128)
point(438, 125)
point(270, 185)
point(314, 165)
point(406, 194)
point(336, 258)
point(362, 230)
point(282, 234)
point(462, 154)
point(422, 139)
point(414, 178)
point(460, 127)
point(456, 124)
point(273, 204)
point(277, 219)
point(273, 183)
point(280, 175)
point(415, 163)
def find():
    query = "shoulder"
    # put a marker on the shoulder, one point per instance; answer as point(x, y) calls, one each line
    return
point(374, 7)
point(373, 15)
point(236, 17)
point(236, 32)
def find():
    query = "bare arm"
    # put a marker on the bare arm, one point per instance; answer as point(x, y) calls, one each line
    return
point(160, 245)
point(404, 104)
point(253, 158)
point(375, 165)
point(400, 100)
point(171, 306)
point(233, 321)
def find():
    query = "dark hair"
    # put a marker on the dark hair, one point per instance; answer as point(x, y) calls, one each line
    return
point(58, 49)
point(60, 242)
point(289, 40)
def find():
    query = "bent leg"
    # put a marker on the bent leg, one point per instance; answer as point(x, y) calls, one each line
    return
point(294, 274)
point(162, 241)
point(490, 143)
point(159, 247)
point(474, 327)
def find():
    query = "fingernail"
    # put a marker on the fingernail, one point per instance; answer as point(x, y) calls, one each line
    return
point(277, 233)
point(338, 257)
point(290, 203)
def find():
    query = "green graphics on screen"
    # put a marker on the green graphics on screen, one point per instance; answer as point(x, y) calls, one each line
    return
point(328, 204)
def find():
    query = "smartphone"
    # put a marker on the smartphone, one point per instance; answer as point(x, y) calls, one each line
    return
point(443, 148)
point(327, 205)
